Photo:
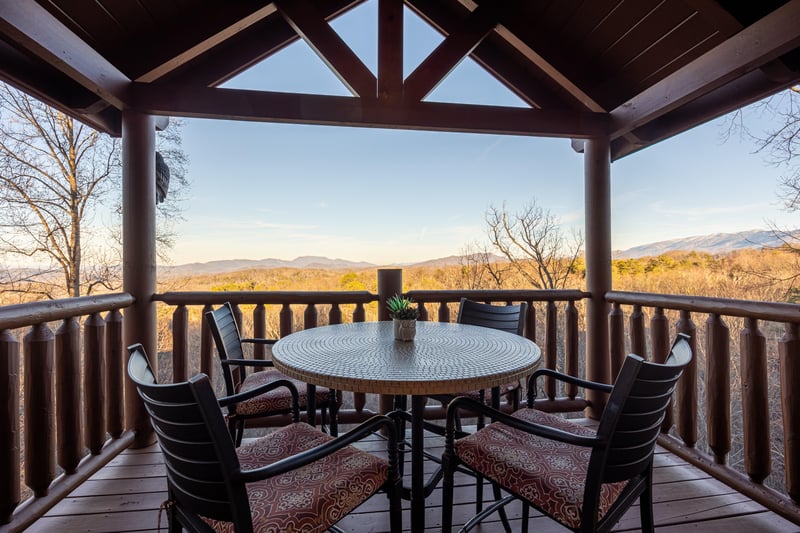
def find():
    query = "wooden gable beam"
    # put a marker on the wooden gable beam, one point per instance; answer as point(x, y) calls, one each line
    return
point(170, 65)
point(456, 46)
point(763, 41)
point(345, 64)
point(239, 104)
point(33, 28)
point(390, 49)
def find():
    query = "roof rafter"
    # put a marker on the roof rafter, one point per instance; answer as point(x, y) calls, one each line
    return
point(765, 40)
point(309, 24)
point(237, 104)
point(37, 31)
point(200, 48)
point(450, 52)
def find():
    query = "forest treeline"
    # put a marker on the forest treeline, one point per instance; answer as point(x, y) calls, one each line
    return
point(766, 274)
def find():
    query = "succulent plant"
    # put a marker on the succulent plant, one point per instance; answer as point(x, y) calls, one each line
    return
point(400, 308)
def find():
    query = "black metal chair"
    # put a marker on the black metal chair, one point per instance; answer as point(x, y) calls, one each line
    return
point(510, 318)
point(584, 479)
point(296, 478)
point(229, 342)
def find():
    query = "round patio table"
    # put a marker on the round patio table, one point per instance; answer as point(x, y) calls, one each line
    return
point(444, 358)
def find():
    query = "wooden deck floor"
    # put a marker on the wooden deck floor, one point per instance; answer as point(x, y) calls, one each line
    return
point(126, 495)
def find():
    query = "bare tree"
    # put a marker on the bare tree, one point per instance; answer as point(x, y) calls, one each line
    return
point(480, 269)
point(55, 173)
point(780, 146)
point(534, 244)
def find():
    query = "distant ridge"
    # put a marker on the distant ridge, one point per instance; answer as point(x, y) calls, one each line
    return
point(717, 243)
point(232, 265)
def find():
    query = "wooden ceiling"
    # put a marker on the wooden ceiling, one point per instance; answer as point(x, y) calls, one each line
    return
point(637, 70)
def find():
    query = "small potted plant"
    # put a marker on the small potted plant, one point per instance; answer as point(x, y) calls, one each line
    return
point(404, 316)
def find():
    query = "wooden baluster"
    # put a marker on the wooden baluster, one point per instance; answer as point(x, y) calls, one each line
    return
point(9, 425)
point(423, 311)
point(310, 317)
point(755, 406)
point(636, 324)
point(94, 387)
point(789, 350)
point(335, 314)
point(180, 344)
point(359, 313)
point(718, 389)
point(286, 319)
point(115, 374)
point(571, 348)
point(444, 312)
point(616, 320)
point(659, 339)
point(260, 331)
point(530, 322)
point(206, 344)
point(68, 395)
point(551, 352)
point(687, 385)
point(40, 438)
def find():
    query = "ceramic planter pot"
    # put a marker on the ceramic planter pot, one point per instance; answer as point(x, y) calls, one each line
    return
point(404, 330)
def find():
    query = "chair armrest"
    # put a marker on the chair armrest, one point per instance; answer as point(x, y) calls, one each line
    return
point(540, 430)
point(258, 391)
point(323, 450)
point(247, 362)
point(585, 383)
point(259, 341)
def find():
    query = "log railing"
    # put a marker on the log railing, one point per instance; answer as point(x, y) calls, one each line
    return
point(72, 401)
point(767, 368)
point(559, 350)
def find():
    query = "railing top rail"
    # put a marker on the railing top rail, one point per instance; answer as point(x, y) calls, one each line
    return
point(772, 311)
point(29, 314)
point(498, 295)
point(266, 297)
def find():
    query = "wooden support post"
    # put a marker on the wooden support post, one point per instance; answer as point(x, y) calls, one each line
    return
point(390, 282)
point(597, 201)
point(139, 252)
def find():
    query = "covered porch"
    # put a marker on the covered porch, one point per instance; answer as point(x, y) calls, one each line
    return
point(669, 67)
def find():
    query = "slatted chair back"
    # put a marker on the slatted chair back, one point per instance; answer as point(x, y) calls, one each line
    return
point(510, 318)
point(228, 341)
point(633, 416)
point(198, 452)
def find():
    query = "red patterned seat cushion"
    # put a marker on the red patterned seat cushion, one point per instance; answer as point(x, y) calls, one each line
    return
point(310, 498)
point(279, 399)
point(548, 473)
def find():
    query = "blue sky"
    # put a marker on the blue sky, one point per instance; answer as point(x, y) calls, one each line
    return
point(388, 196)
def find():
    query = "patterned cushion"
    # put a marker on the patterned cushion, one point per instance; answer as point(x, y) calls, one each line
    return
point(311, 498)
point(279, 399)
point(548, 473)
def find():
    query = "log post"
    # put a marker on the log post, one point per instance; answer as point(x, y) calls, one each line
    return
point(687, 385)
point(180, 344)
point(115, 374)
point(40, 435)
point(718, 388)
point(68, 395)
point(616, 332)
point(789, 349)
point(755, 402)
point(94, 386)
point(9, 425)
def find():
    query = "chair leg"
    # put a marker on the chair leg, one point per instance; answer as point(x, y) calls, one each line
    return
point(239, 433)
point(333, 409)
point(646, 508)
point(526, 515)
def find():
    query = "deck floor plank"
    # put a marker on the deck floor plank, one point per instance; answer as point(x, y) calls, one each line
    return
point(126, 495)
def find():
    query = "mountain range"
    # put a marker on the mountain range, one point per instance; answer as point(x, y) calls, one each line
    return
point(717, 243)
